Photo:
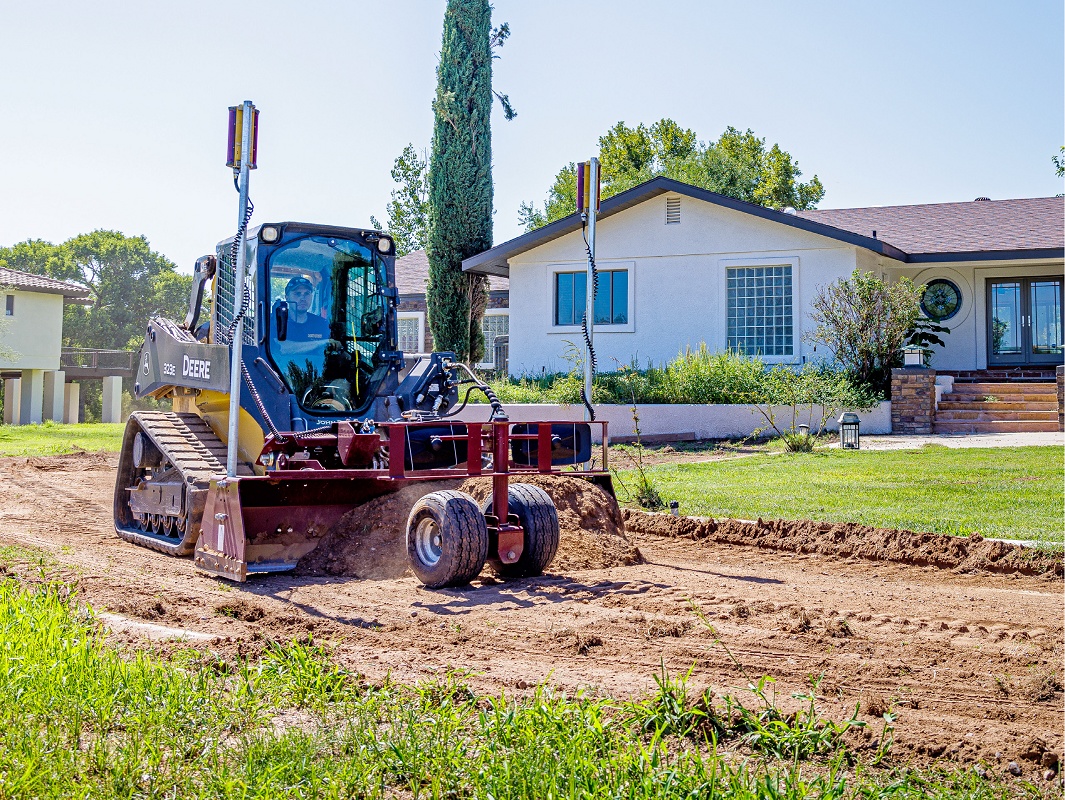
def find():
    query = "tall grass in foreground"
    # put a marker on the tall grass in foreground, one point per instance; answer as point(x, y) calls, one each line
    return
point(79, 719)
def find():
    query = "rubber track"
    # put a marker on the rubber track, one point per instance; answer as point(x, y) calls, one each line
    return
point(189, 444)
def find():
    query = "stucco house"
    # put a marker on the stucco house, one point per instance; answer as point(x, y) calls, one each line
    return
point(681, 265)
point(412, 275)
point(31, 340)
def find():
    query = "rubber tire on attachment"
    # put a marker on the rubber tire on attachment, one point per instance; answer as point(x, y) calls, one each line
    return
point(463, 539)
point(538, 517)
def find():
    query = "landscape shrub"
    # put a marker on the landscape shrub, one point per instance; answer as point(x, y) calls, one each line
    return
point(697, 376)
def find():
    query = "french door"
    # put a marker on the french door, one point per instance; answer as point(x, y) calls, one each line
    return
point(1024, 321)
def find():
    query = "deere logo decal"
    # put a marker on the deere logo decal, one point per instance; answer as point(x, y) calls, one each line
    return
point(147, 364)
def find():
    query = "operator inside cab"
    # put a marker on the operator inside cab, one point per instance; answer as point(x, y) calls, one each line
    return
point(327, 321)
point(307, 332)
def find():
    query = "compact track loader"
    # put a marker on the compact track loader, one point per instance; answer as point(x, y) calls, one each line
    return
point(331, 415)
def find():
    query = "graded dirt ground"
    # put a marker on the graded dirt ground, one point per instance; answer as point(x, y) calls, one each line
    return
point(967, 654)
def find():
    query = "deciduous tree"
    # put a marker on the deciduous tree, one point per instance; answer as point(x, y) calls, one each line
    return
point(408, 211)
point(865, 322)
point(737, 164)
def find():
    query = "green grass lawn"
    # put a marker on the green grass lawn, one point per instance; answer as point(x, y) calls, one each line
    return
point(1010, 493)
point(52, 439)
point(85, 720)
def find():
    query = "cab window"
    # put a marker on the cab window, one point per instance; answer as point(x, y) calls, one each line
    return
point(325, 294)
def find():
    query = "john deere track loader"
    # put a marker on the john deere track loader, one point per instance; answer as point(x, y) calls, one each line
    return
point(331, 415)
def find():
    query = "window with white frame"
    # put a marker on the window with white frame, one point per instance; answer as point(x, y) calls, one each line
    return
point(9, 305)
point(410, 332)
point(495, 323)
point(611, 298)
point(760, 318)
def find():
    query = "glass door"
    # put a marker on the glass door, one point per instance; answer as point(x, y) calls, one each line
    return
point(1024, 321)
point(1044, 295)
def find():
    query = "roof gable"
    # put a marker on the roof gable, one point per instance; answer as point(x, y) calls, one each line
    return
point(495, 260)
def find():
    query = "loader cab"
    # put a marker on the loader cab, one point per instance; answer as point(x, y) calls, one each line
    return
point(329, 323)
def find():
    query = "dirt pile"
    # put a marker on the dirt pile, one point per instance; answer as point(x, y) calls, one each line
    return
point(850, 540)
point(591, 524)
point(368, 542)
point(78, 461)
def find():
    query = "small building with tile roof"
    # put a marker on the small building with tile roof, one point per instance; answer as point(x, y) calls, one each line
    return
point(31, 341)
point(679, 266)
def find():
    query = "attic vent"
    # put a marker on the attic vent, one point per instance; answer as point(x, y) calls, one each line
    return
point(672, 210)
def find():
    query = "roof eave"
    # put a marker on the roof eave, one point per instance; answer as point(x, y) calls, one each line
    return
point(77, 299)
point(495, 261)
point(988, 255)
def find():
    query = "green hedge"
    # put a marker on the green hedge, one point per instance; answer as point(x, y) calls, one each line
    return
point(695, 376)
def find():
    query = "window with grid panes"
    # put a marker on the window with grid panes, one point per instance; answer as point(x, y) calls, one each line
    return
point(611, 299)
point(760, 310)
point(410, 339)
point(493, 325)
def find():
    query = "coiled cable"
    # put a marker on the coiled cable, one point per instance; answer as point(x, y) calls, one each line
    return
point(233, 253)
point(584, 323)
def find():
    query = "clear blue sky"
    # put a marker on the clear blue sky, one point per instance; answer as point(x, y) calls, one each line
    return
point(114, 112)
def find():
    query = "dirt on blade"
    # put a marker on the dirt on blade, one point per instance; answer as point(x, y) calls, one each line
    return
point(962, 641)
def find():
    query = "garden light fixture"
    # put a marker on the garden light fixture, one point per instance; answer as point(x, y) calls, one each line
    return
point(848, 431)
point(913, 357)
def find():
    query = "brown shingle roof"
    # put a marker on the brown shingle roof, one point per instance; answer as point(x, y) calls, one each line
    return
point(72, 293)
point(412, 273)
point(979, 226)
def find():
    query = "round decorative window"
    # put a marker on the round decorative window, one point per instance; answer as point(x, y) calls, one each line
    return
point(941, 299)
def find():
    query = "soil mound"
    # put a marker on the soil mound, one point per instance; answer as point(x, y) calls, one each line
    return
point(79, 461)
point(591, 525)
point(368, 542)
point(850, 540)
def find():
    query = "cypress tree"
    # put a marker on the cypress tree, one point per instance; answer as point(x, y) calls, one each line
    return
point(460, 178)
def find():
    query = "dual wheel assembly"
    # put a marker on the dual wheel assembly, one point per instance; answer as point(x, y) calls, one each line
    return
point(448, 542)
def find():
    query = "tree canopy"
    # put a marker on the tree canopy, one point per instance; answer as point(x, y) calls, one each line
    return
point(408, 211)
point(460, 176)
point(737, 164)
point(127, 280)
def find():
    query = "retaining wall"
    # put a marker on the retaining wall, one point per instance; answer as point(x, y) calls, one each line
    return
point(704, 421)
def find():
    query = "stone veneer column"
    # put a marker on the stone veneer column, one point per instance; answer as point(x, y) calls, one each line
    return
point(1061, 397)
point(913, 400)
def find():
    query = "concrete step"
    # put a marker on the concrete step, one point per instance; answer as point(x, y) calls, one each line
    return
point(1005, 388)
point(1000, 397)
point(991, 416)
point(981, 405)
point(997, 426)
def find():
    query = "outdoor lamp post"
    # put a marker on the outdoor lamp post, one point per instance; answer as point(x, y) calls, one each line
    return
point(848, 430)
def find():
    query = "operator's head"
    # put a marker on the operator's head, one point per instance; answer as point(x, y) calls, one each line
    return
point(299, 292)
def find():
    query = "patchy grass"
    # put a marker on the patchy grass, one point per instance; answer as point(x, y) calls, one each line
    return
point(51, 438)
point(1008, 493)
point(85, 720)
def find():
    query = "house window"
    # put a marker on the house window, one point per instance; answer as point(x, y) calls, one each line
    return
point(493, 325)
point(9, 306)
point(611, 299)
point(410, 333)
point(760, 316)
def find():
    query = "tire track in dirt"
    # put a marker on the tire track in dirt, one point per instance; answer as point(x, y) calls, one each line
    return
point(959, 656)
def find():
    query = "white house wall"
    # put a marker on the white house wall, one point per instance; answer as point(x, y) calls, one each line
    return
point(35, 331)
point(677, 284)
point(966, 344)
